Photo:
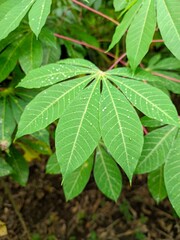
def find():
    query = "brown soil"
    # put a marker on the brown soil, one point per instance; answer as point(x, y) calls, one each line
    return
point(40, 211)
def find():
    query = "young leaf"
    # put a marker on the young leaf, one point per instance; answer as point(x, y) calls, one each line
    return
point(172, 176)
point(52, 166)
point(140, 33)
point(107, 175)
point(123, 26)
point(78, 132)
point(5, 168)
point(31, 53)
point(19, 165)
point(74, 183)
point(156, 184)
point(51, 74)
point(14, 16)
point(48, 105)
point(120, 128)
point(38, 14)
point(157, 145)
point(168, 22)
point(149, 100)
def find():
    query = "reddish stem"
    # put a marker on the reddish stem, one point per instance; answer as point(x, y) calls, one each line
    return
point(157, 40)
point(117, 61)
point(84, 44)
point(96, 12)
point(145, 130)
point(167, 77)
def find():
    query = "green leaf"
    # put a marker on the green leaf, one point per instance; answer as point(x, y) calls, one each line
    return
point(19, 165)
point(78, 132)
point(149, 122)
point(139, 74)
point(17, 106)
point(156, 184)
point(78, 62)
point(172, 176)
point(51, 74)
point(52, 166)
point(5, 7)
point(123, 26)
point(140, 33)
point(149, 100)
point(38, 15)
point(49, 105)
point(31, 53)
point(167, 64)
point(51, 50)
point(74, 183)
point(168, 22)
point(120, 128)
point(14, 16)
point(107, 175)
point(119, 4)
point(157, 145)
point(5, 168)
point(7, 124)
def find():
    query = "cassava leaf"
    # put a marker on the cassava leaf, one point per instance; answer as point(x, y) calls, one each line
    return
point(49, 105)
point(52, 166)
point(51, 74)
point(14, 16)
point(149, 122)
point(5, 168)
point(140, 33)
point(38, 15)
point(157, 145)
point(107, 174)
point(78, 132)
point(156, 184)
point(19, 165)
point(149, 100)
point(31, 53)
point(172, 175)
point(120, 128)
point(74, 183)
point(123, 26)
point(168, 22)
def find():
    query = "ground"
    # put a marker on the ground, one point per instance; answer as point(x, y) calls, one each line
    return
point(39, 210)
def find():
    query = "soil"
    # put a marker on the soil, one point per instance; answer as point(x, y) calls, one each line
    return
point(39, 211)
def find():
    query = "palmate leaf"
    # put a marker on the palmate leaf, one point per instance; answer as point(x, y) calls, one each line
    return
point(107, 174)
point(14, 16)
point(38, 14)
point(31, 53)
point(172, 175)
point(122, 27)
point(78, 132)
point(149, 100)
point(75, 182)
point(120, 128)
point(157, 145)
point(53, 73)
point(48, 105)
point(168, 22)
point(156, 184)
point(140, 33)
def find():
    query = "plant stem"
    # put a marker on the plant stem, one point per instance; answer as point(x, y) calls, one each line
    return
point(157, 40)
point(164, 76)
point(20, 217)
point(145, 130)
point(96, 12)
point(84, 44)
point(117, 61)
